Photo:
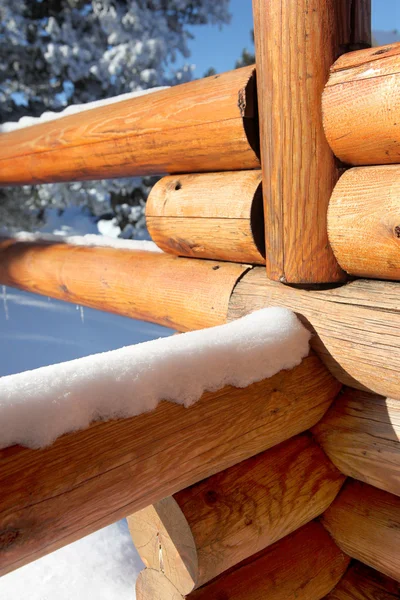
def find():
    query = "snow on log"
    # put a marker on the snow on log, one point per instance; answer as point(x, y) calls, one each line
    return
point(73, 109)
point(91, 478)
point(361, 435)
point(89, 240)
point(361, 107)
point(144, 285)
point(305, 565)
point(209, 527)
point(363, 583)
point(365, 523)
point(356, 326)
point(36, 407)
point(209, 215)
point(364, 221)
point(205, 125)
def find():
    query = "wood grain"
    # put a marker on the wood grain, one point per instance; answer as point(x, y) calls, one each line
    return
point(365, 523)
point(362, 583)
point(361, 107)
point(144, 285)
point(153, 585)
point(305, 565)
point(89, 479)
point(205, 125)
point(210, 215)
point(356, 326)
point(361, 435)
point(364, 221)
point(209, 527)
point(299, 169)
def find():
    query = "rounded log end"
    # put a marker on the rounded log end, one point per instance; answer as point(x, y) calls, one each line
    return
point(163, 538)
point(153, 585)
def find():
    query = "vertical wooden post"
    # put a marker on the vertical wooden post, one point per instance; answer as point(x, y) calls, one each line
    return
point(296, 43)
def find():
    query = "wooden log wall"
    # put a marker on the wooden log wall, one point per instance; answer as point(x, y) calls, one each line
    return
point(205, 125)
point(361, 436)
point(355, 326)
point(89, 479)
point(361, 107)
point(305, 565)
point(208, 528)
point(299, 168)
point(364, 221)
point(365, 523)
point(212, 215)
point(363, 583)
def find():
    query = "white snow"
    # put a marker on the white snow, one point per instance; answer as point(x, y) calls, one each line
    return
point(101, 566)
point(89, 239)
point(38, 406)
point(73, 109)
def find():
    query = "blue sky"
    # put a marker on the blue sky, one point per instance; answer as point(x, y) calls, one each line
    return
point(220, 48)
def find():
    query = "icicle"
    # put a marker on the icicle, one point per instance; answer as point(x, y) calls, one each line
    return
point(82, 314)
point(4, 289)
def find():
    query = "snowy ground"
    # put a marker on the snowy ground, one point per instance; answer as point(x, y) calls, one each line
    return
point(34, 332)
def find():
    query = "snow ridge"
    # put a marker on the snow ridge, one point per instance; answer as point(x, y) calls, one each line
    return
point(89, 239)
point(38, 406)
point(72, 110)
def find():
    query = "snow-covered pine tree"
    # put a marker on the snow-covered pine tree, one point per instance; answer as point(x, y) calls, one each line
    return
point(59, 52)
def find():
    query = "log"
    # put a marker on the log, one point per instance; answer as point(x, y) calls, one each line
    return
point(365, 523)
point(305, 565)
point(144, 285)
point(206, 125)
point(364, 221)
point(211, 215)
point(201, 531)
point(362, 583)
point(356, 326)
point(89, 479)
point(361, 106)
point(299, 169)
point(361, 435)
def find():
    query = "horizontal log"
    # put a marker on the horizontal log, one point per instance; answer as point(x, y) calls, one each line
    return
point(364, 221)
point(361, 435)
point(144, 285)
point(361, 107)
point(356, 326)
point(305, 565)
point(211, 526)
point(211, 215)
point(365, 523)
point(205, 125)
point(362, 583)
point(89, 479)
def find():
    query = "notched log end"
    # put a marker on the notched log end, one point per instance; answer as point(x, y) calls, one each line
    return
point(248, 108)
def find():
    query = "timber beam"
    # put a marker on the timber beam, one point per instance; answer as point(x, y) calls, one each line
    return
point(91, 478)
point(205, 125)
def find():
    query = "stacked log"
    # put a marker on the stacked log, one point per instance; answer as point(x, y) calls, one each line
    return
point(213, 215)
point(210, 527)
point(204, 125)
point(305, 565)
point(365, 523)
point(91, 478)
point(360, 434)
point(362, 583)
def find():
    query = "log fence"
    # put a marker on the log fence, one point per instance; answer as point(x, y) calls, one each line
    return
point(276, 190)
